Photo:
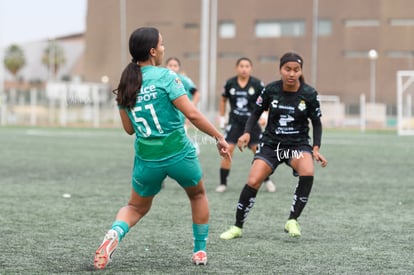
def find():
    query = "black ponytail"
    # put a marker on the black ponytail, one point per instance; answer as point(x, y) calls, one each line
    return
point(129, 85)
point(141, 42)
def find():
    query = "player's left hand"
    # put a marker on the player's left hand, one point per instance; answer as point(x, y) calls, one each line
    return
point(223, 148)
point(319, 158)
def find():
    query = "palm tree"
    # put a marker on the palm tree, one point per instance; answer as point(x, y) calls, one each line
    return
point(14, 59)
point(53, 57)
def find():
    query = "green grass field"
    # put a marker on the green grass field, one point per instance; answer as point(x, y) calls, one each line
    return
point(359, 219)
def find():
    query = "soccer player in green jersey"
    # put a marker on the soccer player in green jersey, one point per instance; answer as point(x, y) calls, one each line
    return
point(173, 63)
point(152, 101)
point(291, 104)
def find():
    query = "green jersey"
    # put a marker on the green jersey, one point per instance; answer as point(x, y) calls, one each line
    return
point(158, 124)
point(188, 84)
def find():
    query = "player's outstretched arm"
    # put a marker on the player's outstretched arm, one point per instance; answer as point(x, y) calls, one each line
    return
point(184, 104)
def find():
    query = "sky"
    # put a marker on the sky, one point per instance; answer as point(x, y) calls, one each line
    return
point(24, 21)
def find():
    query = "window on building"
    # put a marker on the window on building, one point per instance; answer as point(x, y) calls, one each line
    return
point(324, 27)
point(192, 55)
point(159, 23)
point(400, 54)
point(356, 54)
point(362, 23)
point(227, 29)
point(265, 29)
point(230, 55)
point(191, 25)
point(268, 59)
point(402, 22)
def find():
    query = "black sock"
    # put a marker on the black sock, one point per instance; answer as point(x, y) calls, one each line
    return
point(300, 198)
point(224, 173)
point(246, 202)
point(266, 179)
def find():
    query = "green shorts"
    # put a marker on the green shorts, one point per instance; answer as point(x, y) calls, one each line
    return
point(147, 179)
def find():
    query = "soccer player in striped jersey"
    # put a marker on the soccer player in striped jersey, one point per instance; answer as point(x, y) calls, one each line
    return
point(152, 101)
point(291, 103)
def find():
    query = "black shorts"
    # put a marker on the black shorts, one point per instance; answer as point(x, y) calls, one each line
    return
point(274, 156)
point(235, 130)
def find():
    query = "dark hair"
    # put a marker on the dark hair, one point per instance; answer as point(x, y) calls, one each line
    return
point(175, 59)
point(292, 57)
point(141, 42)
point(244, 59)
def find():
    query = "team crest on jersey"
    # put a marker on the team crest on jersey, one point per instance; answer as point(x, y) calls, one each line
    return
point(251, 91)
point(178, 81)
point(302, 105)
point(232, 91)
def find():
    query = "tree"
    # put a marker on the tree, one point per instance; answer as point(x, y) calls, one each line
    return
point(53, 57)
point(14, 59)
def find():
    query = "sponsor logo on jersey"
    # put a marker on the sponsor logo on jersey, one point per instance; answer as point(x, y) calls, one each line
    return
point(241, 93)
point(259, 100)
point(241, 104)
point(289, 108)
point(147, 93)
point(274, 103)
point(302, 105)
point(232, 91)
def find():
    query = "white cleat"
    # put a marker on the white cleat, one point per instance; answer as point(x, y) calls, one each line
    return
point(221, 188)
point(270, 187)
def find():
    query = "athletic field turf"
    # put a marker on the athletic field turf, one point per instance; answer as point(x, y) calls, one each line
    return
point(359, 219)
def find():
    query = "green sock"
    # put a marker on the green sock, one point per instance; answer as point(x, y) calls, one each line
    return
point(121, 227)
point(200, 234)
